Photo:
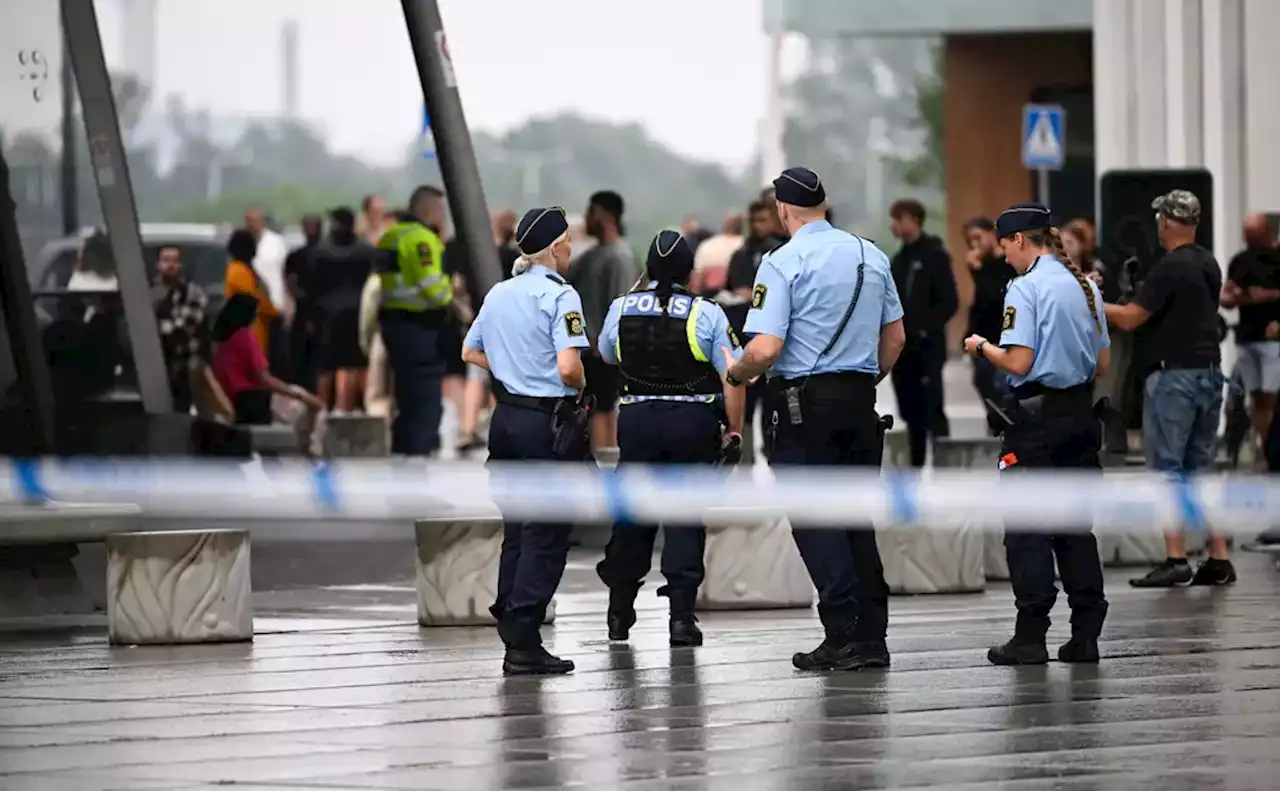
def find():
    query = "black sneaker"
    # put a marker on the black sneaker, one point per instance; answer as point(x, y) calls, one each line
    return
point(1169, 574)
point(534, 662)
point(1079, 650)
point(844, 655)
point(1019, 652)
point(685, 632)
point(1214, 572)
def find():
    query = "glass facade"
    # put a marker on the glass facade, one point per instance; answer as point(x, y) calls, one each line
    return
point(825, 18)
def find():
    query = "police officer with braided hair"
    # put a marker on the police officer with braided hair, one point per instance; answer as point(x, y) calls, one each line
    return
point(675, 408)
point(828, 326)
point(529, 334)
point(1053, 344)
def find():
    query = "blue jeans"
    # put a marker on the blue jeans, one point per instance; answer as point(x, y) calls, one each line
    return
point(417, 376)
point(1180, 419)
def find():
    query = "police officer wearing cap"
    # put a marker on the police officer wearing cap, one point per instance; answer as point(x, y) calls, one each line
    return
point(675, 408)
point(827, 326)
point(1053, 344)
point(529, 334)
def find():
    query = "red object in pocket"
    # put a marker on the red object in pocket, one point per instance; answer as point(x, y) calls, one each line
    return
point(1007, 461)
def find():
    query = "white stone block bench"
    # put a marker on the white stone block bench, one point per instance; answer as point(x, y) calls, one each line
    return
point(752, 563)
point(174, 587)
point(457, 577)
point(357, 436)
point(978, 453)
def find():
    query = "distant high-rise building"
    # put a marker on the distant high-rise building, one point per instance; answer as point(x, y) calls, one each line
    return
point(140, 39)
point(289, 67)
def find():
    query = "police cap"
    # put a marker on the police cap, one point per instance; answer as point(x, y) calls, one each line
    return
point(669, 257)
point(799, 187)
point(539, 228)
point(1023, 217)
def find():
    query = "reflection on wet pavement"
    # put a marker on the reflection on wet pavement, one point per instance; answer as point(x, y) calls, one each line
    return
point(342, 691)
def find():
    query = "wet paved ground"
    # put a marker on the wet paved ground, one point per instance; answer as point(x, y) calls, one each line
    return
point(342, 691)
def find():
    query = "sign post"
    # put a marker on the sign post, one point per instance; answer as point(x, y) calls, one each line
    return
point(1044, 135)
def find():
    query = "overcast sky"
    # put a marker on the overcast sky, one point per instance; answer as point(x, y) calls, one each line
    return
point(691, 71)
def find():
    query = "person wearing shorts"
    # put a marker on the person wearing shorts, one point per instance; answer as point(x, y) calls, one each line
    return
point(1253, 286)
point(1183, 394)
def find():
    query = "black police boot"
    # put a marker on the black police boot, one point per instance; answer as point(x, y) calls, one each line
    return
point(525, 655)
point(841, 650)
point(1082, 648)
point(534, 661)
point(622, 612)
point(1027, 646)
point(684, 626)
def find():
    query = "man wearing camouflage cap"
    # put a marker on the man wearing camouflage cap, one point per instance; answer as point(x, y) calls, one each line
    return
point(1178, 302)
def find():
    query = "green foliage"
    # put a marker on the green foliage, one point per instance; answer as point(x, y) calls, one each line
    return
point(285, 203)
point(926, 170)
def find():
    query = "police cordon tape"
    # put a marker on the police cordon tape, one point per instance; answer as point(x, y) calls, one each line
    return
point(1049, 500)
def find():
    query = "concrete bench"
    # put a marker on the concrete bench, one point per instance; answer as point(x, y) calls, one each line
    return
point(176, 587)
point(357, 436)
point(457, 569)
point(276, 440)
point(981, 453)
point(752, 563)
point(930, 560)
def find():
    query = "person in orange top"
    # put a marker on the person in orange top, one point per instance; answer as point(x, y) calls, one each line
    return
point(241, 279)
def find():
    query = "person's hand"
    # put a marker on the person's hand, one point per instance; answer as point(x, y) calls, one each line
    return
point(729, 361)
point(971, 344)
point(1096, 277)
point(1273, 330)
point(974, 259)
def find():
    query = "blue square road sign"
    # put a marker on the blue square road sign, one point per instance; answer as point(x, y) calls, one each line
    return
point(1044, 136)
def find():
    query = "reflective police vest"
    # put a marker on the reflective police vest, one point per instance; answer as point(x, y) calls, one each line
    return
point(410, 267)
point(658, 352)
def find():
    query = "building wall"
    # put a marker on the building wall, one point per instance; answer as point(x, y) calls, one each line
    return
point(989, 78)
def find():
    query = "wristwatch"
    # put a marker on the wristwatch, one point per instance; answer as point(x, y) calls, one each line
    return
point(731, 379)
point(978, 351)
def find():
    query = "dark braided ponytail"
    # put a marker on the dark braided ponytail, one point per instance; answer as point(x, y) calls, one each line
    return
point(1052, 239)
point(664, 290)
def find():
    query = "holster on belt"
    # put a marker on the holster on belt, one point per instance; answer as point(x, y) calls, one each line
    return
point(570, 425)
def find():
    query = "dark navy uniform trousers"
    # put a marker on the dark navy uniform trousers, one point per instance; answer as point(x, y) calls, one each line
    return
point(533, 553)
point(662, 432)
point(1056, 430)
point(839, 426)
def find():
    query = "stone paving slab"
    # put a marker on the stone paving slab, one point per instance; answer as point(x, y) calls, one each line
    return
point(336, 695)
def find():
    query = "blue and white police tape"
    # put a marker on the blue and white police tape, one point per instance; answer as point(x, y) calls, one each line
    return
point(1055, 501)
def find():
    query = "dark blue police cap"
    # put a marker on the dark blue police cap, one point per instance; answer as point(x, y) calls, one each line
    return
point(669, 253)
point(799, 187)
point(1023, 217)
point(539, 228)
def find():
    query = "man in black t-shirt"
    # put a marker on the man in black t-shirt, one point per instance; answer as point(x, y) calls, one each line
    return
point(1178, 302)
point(1253, 286)
point(991, 273)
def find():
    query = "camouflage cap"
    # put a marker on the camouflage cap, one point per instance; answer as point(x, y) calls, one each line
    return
point(1180, 206)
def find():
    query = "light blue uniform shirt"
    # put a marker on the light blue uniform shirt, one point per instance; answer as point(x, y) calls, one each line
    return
point(1045, 311)
point(711, 327)
point(802, 291)
point(523, 322)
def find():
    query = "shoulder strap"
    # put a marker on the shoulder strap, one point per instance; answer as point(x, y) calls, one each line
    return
point(554, 278)
point(848, 314)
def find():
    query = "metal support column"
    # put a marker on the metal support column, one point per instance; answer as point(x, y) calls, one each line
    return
point(32, 433)
point(111, 171)
point(70, 191)
point(453, 143)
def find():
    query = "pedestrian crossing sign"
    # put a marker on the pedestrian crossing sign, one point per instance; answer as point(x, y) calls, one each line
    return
point(1044, 130)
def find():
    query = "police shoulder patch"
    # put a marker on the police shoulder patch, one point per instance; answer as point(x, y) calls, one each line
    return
point(733, 338)
point(1010, 316)
point(757, 296)
point(573, 324)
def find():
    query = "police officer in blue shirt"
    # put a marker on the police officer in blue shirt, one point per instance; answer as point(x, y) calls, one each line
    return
point(827, 325)
point(675, 409)
point(529, 334)
point(1053, 344)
